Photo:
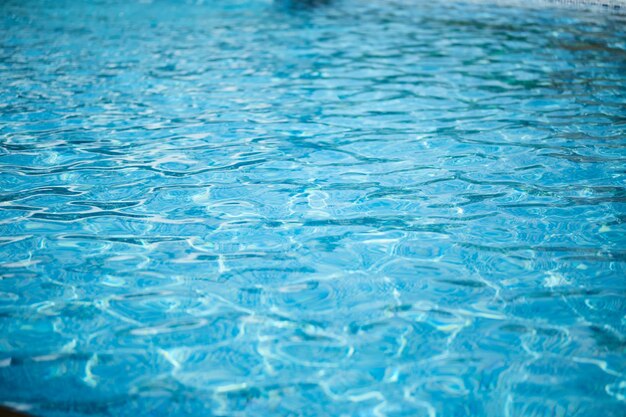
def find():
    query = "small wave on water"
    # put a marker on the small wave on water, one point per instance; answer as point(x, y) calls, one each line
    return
point(312, 208)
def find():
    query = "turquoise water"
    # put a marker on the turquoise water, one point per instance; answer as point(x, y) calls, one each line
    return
point(333, 208)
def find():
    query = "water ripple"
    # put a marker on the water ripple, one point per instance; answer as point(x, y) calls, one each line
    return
point(312, 208)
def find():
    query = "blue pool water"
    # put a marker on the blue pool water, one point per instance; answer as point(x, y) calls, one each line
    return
point(331, 208)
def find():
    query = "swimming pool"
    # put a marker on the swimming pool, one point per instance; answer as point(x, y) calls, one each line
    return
point(331, 208)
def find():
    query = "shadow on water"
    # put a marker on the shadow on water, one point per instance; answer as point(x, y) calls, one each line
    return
point(302, 4)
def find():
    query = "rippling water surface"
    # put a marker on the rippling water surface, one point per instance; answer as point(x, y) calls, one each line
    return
point(348, 208)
